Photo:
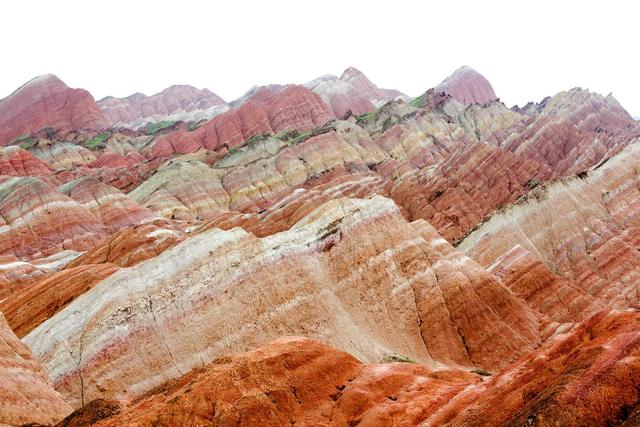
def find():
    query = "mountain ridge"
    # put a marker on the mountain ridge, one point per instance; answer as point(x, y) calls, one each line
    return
point(329, 253)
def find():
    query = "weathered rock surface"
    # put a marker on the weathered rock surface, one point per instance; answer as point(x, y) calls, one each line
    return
point(14, 161)
point(26, 394)
point(111, 207)
point(546, 292)
point(425, 299)
point(37, 290)
point(36, 220)
point(450, 165)
point(584, 228)
point(293, 380)
point(178, 102)
point(574, 131)
point(26, 309)
point(459, 191)
point(16, 274)
point(131, 245)
point(583, 376)
point(47, 102)
point(65, 155)
point(183, 190)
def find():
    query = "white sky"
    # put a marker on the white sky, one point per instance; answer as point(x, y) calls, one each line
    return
point(527, 50)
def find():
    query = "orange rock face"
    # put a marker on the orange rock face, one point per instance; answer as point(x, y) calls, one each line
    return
point(42, 294)
point(295, 380)
point(583, 376)
point(130, 246)
point(27, 309)
point(15, 161)
point(47, 102)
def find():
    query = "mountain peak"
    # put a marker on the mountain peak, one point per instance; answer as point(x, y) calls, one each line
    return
point(42, 80)
point(468, 86)
point(351, 72)
point(367, 89)
point(46, 101)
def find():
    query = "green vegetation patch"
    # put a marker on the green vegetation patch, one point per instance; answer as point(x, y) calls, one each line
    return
point(256, 138)
point(25, 141)
point(29, 143)
point(419, 101)
point(388, 122)
point(293, 136)
point(97, 140)
point(371, 116)
point(153, 128)
point(481, 372)
point(531, 184)
point(398, 358)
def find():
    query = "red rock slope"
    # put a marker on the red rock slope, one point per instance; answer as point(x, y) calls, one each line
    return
point(583, 376)
point(47, 102)
point(266, 111)
point(37, 220)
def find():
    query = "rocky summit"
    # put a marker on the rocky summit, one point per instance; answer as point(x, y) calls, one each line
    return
point(321, 254)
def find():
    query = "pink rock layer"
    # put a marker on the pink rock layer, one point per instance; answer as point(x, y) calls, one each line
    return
point(292, 107)
point(47, 102)
point(177, 98)
point(366, 89)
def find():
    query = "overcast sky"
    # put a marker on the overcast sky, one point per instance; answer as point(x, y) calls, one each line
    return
point(527, 50)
